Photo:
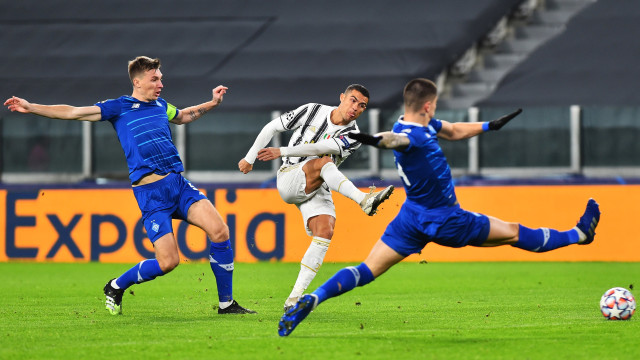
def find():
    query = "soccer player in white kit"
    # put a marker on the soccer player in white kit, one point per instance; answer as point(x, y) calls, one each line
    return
point(310, 171)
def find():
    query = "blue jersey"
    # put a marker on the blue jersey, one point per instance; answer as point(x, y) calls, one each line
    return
point(144, 133)
point(423, 167)
point(431, 212)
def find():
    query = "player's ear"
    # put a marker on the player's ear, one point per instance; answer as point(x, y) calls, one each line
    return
point(342, 97)
point(426, 106)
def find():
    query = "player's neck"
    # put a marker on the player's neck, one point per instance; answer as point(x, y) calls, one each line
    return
point(421, 118)
point(337, 119)
point(140, 97)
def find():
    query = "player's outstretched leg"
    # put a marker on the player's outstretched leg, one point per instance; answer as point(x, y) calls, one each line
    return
point(339, 183)
point(588, 222)
point(373, 199)
point(296, 314)
point(114, 298)
point(545, 239)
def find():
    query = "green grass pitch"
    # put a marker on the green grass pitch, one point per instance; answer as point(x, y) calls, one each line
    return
point(415, 311)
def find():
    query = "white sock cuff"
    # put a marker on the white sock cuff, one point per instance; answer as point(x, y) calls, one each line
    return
point(224, 304)
point(321, 241)
point(581, 236)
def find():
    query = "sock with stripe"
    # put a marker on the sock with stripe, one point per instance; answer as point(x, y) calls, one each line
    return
point(544, 239)
point(143, 271)
point(309, 266)
point(338, 182)
point(344, 280)
point(221, 261)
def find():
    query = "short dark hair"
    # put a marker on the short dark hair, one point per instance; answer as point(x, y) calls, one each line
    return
point(360, 88)
point(417, 92)
point(142, 64)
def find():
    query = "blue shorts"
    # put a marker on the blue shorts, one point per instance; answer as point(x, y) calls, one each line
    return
point(415, 226)
point(163, 200)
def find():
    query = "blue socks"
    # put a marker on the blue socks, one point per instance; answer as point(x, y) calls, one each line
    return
point(143, 271)
point(344, 280)
point(543, 239)
point(221, 261)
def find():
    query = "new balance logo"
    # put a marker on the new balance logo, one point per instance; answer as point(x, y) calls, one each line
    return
point(135, 106)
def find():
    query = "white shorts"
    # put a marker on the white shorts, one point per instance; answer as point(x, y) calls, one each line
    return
point(291, 183)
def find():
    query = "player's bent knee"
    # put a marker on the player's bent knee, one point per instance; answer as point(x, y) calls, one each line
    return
point(322, 226)
point(168, 264)
point(515, 231)
point(220, 234)
point(502, 233)
point(326, 233)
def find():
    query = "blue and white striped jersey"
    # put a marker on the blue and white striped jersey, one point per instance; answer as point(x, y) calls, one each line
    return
point(144, 133)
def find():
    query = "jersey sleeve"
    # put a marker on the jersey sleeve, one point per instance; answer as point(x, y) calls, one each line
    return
point(109, 109)
point(322, 147)
point(346, 144)
point(436, 124)
point(172, 111)
point(418, 137)
point(295, 118)
point(263, 138)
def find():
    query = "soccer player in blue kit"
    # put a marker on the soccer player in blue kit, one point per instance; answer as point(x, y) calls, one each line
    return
point(142, 124)
point(431, 212)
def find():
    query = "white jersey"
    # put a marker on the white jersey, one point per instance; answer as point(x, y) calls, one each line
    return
point(312, 123)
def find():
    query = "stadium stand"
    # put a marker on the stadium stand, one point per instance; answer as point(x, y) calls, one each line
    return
point(593, 62)
point(272, 55)
point(279, 54)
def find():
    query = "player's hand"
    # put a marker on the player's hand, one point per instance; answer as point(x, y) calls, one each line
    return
point(497, 124)
point(366, 139)
point(267, 154)
point(218, 94)
point(17, 104)
point(244, 166)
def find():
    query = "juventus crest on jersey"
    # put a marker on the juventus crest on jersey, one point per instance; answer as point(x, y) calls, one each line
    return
point(312, 123)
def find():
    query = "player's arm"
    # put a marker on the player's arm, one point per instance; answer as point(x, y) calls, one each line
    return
point(383, 140)
point(327, 146)
point(193, 113)
point(264, 137)
point(64, 112)
point(464, 130)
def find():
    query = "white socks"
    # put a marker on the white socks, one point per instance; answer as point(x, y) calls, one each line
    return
point(309, 266)
point(582, 236)
point(224, 304)
point(338, 182)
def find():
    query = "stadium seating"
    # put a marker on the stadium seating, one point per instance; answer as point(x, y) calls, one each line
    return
point(272, 55)
point(594, 62)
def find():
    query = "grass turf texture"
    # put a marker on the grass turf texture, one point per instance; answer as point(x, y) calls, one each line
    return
point(435, 310)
